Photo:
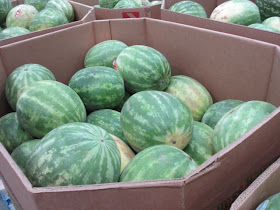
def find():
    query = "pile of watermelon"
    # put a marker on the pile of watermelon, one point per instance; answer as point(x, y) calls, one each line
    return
point(122, 4)
point(33, 15)
point(263, 14)
point(121, 118)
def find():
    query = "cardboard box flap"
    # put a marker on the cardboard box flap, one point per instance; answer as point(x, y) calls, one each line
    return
point(266, 185)
point(5, 107)
point(81, 10)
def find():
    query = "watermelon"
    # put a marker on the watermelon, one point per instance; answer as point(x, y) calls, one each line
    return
point(242, 12)
point(238, 121)
point(153, 3)
point(47, 18)
point(22, 153)
point(0, 30)
point(192, 93)
point(143, 68)
point(131, 4)
point(126, 153)
point(268, 8)
point(13, 32)
point(96, 5)
point(104, 53)
point(11, 133)
point(5, 7)
point(273, 22)
point(200, 147)
point(21, 16)
point(64, 6)
point(47, 104)
point(125, 97)
point(216, 111)
point(109, 4)
point(271, 203)
point(74, 154)
point(38, 4)
point(154, 117)
point(23, 76)
point(99, 87)
point(189, 8)
point(158, 162)
point(109, 120)
point(262, 27)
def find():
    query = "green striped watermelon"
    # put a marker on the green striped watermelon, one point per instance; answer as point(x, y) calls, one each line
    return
point(154, 117)
point(23, 76)
point(47, 18)
point(271, 203)
point(109, 120)
point(11, 133)
point(5, 7)
point(21, 16)
point(13, 32)
point(125, 97)
point(200, 147)
point(216, 111)
point(47, 104)
point(238, 121)
point(38, 4)
point(104, 53)
point(153, 3)
point(74, 154)
point(23, 152)
point(64, 6)
point(192, 93)
point(158, 162)
point(261, 26)
point(189, 8)
point(110, 4)
point(99, 87)
point(131, 4)
point(143, 68)
point(273, 22)
point(242, 12)
point(268, 8)
point(126, 153)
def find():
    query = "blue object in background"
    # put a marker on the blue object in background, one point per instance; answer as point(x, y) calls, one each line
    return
point(5, 201)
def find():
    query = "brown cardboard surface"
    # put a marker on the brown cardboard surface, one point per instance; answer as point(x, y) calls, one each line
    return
point(209, 6)
point(83, 13)
point(266, 185)
point(228, 66)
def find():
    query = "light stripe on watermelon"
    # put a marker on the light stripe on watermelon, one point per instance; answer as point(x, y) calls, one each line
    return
point(273, 22)
point(64, 6)
point(45, 105)
point(74, 154)
point(189, 8)
point(158, 162)
point(5, 7)
point(13, 32)
point(150, 118)
point(23, 76)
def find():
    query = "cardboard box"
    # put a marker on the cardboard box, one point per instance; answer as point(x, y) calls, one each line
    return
point(102, 13)
point(266, 185)
point(83, 14)
point(229, 28)
point(228, 66)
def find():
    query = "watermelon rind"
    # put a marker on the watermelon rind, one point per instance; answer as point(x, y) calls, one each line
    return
point(158, 162)
point(104, 53)
point(122, 4)
point(271, 203)
point(150, 118)
point(64, 6)
point(241, 12)
point(109, 4)
point(143, 68)
point(45, 105)
point(38, 4)
point(99, 87)
point(13, 32)
point(47, 18)
point(273, 22)
point(5, 7)
point(74, 154)
point(189, 8)
point(153, 3)
point(23, 152)
point(261, 26)
point(21, 16)
point(238, 121)
point(11, 133)
point(120, 106)
point(268, 8)
point(23, 76)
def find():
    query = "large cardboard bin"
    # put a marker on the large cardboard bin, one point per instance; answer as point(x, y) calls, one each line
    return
point(229, 28)
point(266, 185)
point(83, 14)
point(102, 13)
point(230, 67)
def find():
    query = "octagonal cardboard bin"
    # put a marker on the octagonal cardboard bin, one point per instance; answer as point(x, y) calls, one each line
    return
point(206, 23)
point(228, 66)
